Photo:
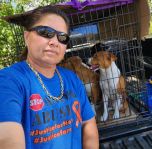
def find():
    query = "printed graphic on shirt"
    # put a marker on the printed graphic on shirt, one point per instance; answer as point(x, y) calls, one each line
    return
point(51, 115)
point(76, 109)
point(36, 102)
point(54, 131)
point(59, 121)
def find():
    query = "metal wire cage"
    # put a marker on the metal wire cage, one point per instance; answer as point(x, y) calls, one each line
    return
point(111, 26)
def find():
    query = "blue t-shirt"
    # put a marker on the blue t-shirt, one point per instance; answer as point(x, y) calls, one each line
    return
point(47, 124)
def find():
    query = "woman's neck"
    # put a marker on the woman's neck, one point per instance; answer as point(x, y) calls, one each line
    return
point(46, 70)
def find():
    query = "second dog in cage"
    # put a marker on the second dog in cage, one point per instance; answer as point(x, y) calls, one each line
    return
point(112, 83)
point(89, 78)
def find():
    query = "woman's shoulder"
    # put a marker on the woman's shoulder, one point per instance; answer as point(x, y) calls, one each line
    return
point(15, 71)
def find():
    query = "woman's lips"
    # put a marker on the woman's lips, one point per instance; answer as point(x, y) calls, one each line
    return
point(52, 52)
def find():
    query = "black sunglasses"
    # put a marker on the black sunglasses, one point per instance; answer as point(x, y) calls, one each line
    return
point(49, 32)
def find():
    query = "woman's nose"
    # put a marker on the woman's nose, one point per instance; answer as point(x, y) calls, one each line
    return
point(53, 41)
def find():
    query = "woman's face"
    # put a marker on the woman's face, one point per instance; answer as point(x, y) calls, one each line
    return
point(46, 51)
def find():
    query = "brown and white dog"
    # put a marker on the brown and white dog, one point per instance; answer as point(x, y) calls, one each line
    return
point(112, 83)
point(89, 77)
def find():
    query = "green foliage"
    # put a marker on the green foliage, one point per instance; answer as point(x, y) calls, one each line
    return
point(44, 2)
point(6, 38)
point(8, 50)
point(23, 2)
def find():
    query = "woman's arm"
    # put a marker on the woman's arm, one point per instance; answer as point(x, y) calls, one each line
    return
point(90, 135)
point(11, 136)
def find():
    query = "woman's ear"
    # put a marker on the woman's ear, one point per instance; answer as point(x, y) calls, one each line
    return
point(26, 34)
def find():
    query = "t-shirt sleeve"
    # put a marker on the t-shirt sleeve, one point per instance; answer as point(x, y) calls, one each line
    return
point(86, 109)
point(11, 98)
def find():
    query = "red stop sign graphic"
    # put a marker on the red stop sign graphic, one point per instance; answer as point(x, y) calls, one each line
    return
point(36, 102)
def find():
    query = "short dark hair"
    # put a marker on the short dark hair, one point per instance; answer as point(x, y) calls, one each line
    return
point(29, 18)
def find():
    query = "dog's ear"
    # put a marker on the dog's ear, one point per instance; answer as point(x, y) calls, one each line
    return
point(113, 57)
point(78, 60)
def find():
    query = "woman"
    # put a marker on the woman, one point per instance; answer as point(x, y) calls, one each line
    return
point(42, 105)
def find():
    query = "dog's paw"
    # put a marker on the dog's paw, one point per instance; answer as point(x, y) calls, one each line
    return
point(116, 115)
point(104, 117)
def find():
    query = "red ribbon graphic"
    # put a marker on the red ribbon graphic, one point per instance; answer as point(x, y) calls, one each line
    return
point(76, 109)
